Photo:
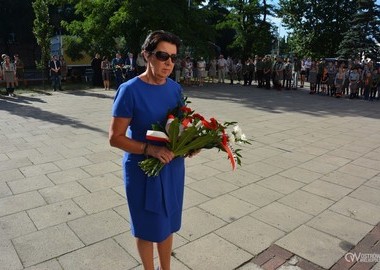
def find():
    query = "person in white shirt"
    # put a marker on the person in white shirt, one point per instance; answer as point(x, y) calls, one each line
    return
point(201, 72)
point(222, 66)
point(307, 63)
point(354, 82)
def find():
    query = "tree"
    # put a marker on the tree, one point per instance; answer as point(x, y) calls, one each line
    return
point(42, 31)
point(362, 38)
point(253, 34)
point(107, 26)
point(317, 25)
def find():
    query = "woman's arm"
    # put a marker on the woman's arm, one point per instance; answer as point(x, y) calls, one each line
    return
point(118, 139)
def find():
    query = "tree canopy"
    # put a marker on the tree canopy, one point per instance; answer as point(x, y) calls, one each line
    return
point(42, 30)
point(238, 28)
point(363, 36)
point(253, 33)
point(317, 26)
point(324, 28)
point(108, 26)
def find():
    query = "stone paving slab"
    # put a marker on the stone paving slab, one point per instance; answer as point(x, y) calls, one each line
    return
point(62, 192)
point(257, 195)
point(257, 235)
point(207, 250)
point(105, 255)
point(30, 184)
point(16, 225)
point(206, 223)
point(313, 245)
point(280, 184)
point(309, 183)
point(306, 202)
point(20, 202)
point(281, 216)
point(4, 190)
point(327, 190)
point(100, 226)
point(340, 226)
point(99, 201)
point(228, 208)
point(46, 244)
point(49, 265)
point(9, 259)
point(55, 213)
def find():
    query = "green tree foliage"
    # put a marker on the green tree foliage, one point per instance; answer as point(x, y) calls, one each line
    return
point(317, 25)
point(363, 36)
point(248, 18)
point(42, 30)
point(107, 25)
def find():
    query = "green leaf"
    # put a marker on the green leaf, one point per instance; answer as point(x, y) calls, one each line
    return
point(173, 133)
point(198, 143)
point(186, 136)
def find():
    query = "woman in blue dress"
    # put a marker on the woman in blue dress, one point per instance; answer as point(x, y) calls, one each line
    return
point(155, 203)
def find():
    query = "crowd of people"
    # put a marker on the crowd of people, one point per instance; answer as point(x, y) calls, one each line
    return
point(12, 72)
point(119, 69)
point(57, 71)
point(329, 77)
point(354, 79)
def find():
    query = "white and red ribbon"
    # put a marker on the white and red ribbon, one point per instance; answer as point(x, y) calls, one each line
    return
point(154, 135)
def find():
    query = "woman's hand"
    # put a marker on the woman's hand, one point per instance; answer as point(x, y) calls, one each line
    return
point(162, 153)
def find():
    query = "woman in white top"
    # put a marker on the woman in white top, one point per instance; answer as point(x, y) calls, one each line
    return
point(201, 70)
point(9, 75)
point(188, 71)
point(354, 82)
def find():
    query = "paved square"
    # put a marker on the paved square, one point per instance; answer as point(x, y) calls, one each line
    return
point(310, 181)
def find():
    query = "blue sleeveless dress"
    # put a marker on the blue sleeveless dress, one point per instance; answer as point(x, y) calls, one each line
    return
point(155, 203)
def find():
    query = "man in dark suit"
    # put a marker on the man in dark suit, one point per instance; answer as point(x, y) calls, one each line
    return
point(96, 62)
point(55, 73)
point(117, 66)
point(130, 66)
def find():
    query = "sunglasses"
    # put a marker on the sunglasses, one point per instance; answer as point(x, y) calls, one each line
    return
point(163, 56)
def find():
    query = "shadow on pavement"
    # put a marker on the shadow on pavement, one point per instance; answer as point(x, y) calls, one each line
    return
point(20, 106)
point(88, 93)
point(286, 100)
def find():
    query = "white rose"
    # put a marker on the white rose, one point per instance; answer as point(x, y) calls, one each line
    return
point(237, 132)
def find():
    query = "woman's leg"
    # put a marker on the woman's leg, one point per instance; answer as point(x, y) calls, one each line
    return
point(145, 249)
point(165, 252)
point(302, 80)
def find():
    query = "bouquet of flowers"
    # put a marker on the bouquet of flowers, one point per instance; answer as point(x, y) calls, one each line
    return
point(186, 132)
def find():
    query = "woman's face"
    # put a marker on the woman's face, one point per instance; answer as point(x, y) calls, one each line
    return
point(162, 68)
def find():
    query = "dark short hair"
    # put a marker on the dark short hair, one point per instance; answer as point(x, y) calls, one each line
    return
point(155, 37)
